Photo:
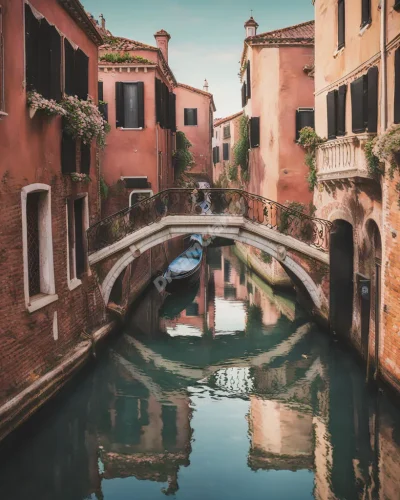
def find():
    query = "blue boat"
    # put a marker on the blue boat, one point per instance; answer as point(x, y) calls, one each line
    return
point(184, 271)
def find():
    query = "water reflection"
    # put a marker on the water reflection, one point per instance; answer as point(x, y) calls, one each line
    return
point(226, 390)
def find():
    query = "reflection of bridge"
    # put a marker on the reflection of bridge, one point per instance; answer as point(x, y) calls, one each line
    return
point(299, 242)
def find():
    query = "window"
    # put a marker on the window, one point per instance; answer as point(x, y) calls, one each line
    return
point(364, 102)
point(39, 285)
point(2, 99)
point(138, 195)
point(130, 105)
point(77, 224)
point(43, 55)
point(165, 106)
point(227, 132)
point(244, 95)
point(331, 105)
point(190, 116)
point(248, 81)
point(304, 118)
point(341, 24)
point(75, 155)
point(396, 5)
point(76, 71)
point(341, 111)
point(254, 132)
point(226, 151)
point(103, 106)
point(216, 155)
point(365, 13)
point(397, 86)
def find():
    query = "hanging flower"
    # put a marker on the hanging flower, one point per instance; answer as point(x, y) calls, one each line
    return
point(50, 107)
point(77, 177)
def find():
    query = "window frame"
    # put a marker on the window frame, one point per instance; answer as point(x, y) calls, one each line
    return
point(184, 118)
point(130, 82)
point(298, 114)
point(47, 293)
point(72, 280)
point(142, 191)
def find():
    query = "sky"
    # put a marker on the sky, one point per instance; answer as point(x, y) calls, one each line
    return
point(206, 35)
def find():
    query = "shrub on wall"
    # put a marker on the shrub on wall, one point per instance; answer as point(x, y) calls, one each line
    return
point(309, 140)
point(242, 146)
point(182, 157)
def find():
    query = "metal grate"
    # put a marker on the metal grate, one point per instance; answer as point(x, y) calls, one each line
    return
point(32, 216)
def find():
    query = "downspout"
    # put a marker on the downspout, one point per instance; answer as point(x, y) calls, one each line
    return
point(157, 160)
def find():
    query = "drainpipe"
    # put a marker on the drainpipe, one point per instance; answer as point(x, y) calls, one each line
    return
point(383, 67)
point(158, 161)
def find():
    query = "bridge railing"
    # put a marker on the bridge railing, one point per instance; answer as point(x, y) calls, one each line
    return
point(177, 201)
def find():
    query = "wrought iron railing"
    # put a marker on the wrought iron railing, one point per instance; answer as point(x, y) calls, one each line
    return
point(315, 232)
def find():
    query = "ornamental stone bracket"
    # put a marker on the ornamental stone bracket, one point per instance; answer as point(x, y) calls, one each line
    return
point(281, 253)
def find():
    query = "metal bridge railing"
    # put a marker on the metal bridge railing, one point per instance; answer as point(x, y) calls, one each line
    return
point(177, 201)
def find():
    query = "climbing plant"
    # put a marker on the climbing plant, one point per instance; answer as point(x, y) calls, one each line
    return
point(233, 172)
point(309, 140)
point(103, 188)
point(373, 162)
point(289, 221)
point(182, 157)
point(242, 146)
point(124, 57)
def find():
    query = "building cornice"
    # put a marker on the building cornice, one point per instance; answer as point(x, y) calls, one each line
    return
point(77, 12)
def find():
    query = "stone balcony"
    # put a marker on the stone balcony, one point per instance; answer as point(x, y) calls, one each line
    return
point(343, 158)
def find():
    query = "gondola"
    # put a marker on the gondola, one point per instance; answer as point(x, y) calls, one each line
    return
point(184, 271)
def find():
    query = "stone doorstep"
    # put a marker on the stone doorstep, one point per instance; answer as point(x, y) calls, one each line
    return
point(18, 409)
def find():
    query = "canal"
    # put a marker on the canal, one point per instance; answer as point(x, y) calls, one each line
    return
point(226, 392)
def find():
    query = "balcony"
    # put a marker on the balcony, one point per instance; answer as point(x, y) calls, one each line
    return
point(343, 158)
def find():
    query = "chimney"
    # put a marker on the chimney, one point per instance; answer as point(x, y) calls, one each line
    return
point(205, 86)
point(162, 39)
point(103, 21)
point(251, 27)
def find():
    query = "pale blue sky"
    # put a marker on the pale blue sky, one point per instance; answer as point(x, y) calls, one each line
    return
point(207, 35)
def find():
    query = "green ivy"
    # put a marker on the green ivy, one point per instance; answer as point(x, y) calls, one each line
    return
point(266, 257)
point(124, 57)
point(233, 172)
point(183, 158)
point(103, 189)
point(305, 226)
point(309, 140)
point(374, 164)
point(242, 146)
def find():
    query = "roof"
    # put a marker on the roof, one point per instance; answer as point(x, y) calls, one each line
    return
point(251, 22)
point(297, 35)
point(198, 91)
point(119, 44)
point(220, 121)
point(77, 12)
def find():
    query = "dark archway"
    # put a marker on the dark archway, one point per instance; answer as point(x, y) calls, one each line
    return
point(341, 277)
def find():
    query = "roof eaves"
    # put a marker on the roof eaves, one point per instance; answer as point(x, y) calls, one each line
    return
point(219, 122)
point(77, 12)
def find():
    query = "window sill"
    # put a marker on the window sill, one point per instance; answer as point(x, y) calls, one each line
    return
point(41, 300)
point(124, 129)
point(364, 29)
point(190, 125)
point(338, 52)
point(3, 114)
point(74, 283)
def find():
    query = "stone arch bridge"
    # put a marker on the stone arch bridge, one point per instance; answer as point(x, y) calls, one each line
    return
point(299, 242)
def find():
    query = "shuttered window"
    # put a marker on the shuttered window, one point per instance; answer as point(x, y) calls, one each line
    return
point(365, 12)
point(254, 132)
point(341, 111)
point(331, 104)
point(129, 105)
point(158, 101)
point(304, 118)
point(341, 23)
point(2, 93)
point(172, 112)
point(165, 106)
point(103, 106)
point(248, 81)
point(85, 158)
point(190, 116)
point(359, 104)
point(397, 86)
point(372, 111)
point(76, 80)
point(43, 56)
point(225, 151)
point(227, 132)
point(244, 95)
point(216, 155)
point(68, 153)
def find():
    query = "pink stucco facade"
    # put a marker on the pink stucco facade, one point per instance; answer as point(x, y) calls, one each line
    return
point(226, 131)
point(199, 135)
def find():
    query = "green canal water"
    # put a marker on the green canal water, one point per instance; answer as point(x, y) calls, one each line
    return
point(225, 392)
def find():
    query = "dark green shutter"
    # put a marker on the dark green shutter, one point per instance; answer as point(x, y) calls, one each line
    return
point(140, 86)
point(248, 84)
point(85, 158)
point(331, 105)
point(397, 86)
point(358, 108)
point(158, 101)
point(172, 112)
point(69, 68)
point(32, 29)
point(254, 132)
point(373, 75)
point(365, 12)
point(195, 116)
point(81, 74)
point(100, 87)
point(341, 111)
point(304, 118)
point(226, 151)
point(55, 64)
point(119, 104)
point(68, 153)
point(185, 116)
point(341, 24)
point(244, 95)
point(44, 79)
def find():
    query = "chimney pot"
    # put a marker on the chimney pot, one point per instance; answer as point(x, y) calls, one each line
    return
point(162, 38)
point(103, 21)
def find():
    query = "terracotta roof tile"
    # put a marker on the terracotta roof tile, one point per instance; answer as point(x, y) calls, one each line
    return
point(303, 31)
point(77, 12)
point(119, 44)
point(220, 121)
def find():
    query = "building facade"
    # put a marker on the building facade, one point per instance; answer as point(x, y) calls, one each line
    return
point(278, 99)
point(357, 79)
point(48, 297)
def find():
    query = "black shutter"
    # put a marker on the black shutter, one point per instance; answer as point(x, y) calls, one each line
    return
point(304, 118)
point(119, 104)
point(185, 116)
point(140, 88)
point(254, 132)
point(358, 108)
point(85, 158)
point(100, 87)
point(172, 112)
point(397, 86)
point(158, 101)
point(69, 68)
point(55, 64)
point(195, 116)
point(331, 105)
point(44, 78)
point(165, 104)
point(373, 75)
point(226, 151)
point(341, 110)
point(341, 23)
point(248, 85)
point(244, 95)
point(366, 12)
point(81, 74)
point(32, 30)
point(214, 153)
point(68, 153)
point(103, 108)
point(217, 154)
